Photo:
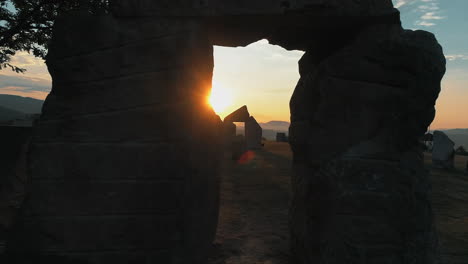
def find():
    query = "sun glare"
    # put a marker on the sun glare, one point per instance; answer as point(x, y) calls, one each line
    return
point(220, 98)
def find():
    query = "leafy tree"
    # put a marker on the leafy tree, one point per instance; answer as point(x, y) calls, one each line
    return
point(26, 25)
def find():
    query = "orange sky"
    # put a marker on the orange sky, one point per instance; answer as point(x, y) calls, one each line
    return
point(261, 76)
point(452, 104)
point(264, 76)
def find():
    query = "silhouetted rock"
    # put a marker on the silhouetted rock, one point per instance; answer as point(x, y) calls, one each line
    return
point(359, 181)
point(124, 161)
point(240, 115)
point(229, 129)
point(253, 134)
point(443, 152)
point(281, 137)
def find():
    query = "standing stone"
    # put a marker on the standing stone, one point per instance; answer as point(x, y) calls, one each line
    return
point(443, 153)
point(124, 161)
point(229, 130)
point(253, 134)
point(240, 115)
point(360, 189)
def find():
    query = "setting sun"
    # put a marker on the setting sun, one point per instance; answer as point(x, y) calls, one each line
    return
point(220, 98)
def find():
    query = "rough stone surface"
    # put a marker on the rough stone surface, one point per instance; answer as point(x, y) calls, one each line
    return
point(362, 196)
point(443, 152)
point(124, 161)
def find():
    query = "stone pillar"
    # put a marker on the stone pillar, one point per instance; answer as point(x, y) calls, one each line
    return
point(360, 189)
point(253, 134)
point(124, 161)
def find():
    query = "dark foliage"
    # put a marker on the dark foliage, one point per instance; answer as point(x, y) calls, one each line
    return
point(26, 25)
point(461, 151)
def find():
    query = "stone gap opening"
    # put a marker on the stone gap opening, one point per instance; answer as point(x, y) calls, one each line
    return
point(255, 184)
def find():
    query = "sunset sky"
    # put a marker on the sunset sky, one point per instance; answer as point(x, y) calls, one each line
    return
point(263, 76)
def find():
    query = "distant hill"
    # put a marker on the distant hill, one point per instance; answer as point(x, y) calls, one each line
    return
point(21, 104)
point(459, 136)
point(280, 126)
point(7, 114)
point(269, 129)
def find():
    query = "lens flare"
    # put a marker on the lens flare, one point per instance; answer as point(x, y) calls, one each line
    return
point(247, 157)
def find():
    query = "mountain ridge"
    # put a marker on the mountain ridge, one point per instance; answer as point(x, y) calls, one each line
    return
point(26, 105)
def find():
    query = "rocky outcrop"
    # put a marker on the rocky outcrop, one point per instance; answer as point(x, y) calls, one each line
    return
point(443, 152)
point(124, 161)
point(360, 190)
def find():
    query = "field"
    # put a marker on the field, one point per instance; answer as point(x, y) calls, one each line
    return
point(253, 226)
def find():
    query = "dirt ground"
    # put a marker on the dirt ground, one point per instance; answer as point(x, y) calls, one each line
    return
point(450, 202)
point(253, 224)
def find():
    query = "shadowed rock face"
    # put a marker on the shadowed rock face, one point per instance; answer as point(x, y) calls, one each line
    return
point(358, 164)
point(124, 160)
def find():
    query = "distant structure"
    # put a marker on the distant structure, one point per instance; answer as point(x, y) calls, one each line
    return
point(443, 153)
point(14, 141)
point(281, 137)
point(240, 115)
point(253, 134)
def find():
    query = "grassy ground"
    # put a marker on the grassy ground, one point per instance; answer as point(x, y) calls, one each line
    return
point(253, 227)
point(450, 201)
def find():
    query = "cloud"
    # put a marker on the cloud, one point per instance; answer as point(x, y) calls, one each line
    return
point(428, 11)
point(35, 67)
point(431, 7)
point(424, 23)
point(456, 57)
point(24, 86)
point(431, 16)
point(31, 83)
point(399, 3)
point(21, 91)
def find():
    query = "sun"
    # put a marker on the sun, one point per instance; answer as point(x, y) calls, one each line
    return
point(220, 98)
